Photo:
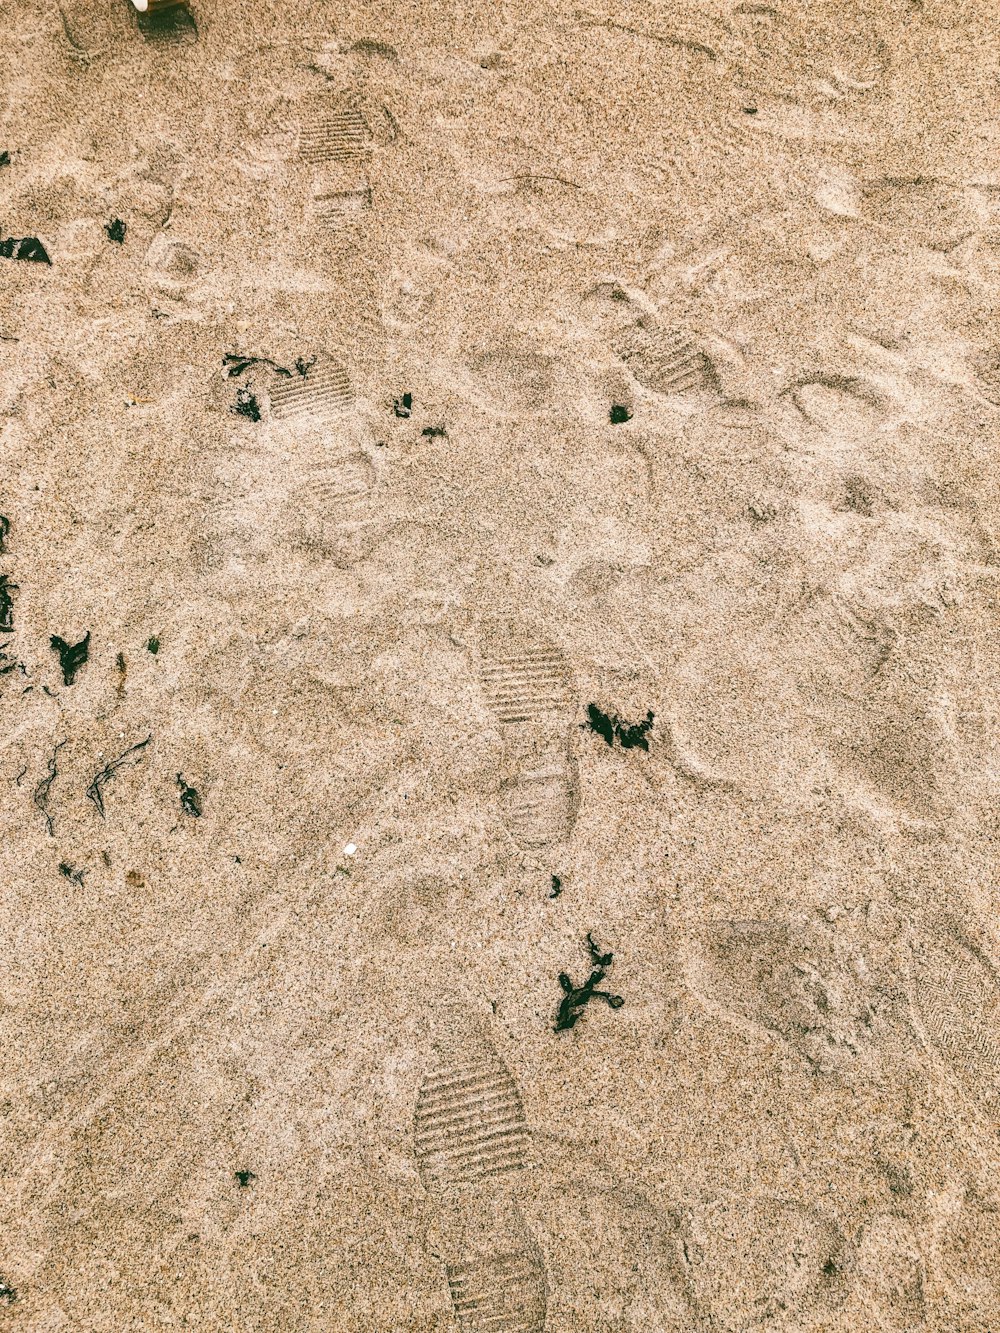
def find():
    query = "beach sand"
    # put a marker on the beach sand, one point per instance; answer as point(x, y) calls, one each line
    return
point(529, 477)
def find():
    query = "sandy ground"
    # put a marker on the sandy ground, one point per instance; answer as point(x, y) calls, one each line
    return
point(526, 472)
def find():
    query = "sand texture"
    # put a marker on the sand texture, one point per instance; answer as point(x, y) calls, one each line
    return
point(499, 645)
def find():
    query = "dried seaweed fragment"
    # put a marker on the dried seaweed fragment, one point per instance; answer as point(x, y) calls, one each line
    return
point(116, 230)
point(40, 796)
point(190, 800)
point(246, 405)
point(634, 735)
point(25, 247)
point(575, 998)
point(72, 656)
point(630, 735)
point(7, 1292)
point(4, 532)
point(9, 664)
point(234, 364)
point(600, 723)
point(95, 791)
point(71, 873)
point(6, 604)
point(244, 1178)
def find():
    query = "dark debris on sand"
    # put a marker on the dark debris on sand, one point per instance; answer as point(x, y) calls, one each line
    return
point(28, 248)
point(190, 800)
point(246, 405)
point(72, 656)
point(95, 791)
point(630, 735)
point(575, 998)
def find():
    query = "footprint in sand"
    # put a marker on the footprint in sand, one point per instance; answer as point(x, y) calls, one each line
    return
point(526, 681)
point(955, 992)
point(540, 797)
point(335, 143)
point(787, 980)
point(318, 392)
point(470, 1133)
point(931, 213)
point(302, 477)
point(891, 1270)
point(788, 1262)
point(177, 273)
point(513, 379)
point(662, 356)
point(531, 1234)
point(965, 1257)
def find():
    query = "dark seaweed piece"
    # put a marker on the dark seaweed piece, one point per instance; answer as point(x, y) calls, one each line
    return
point(95, 792)
point(190, 800)
point(68, 871)
point(576, 997)
point(6, 605)
point(619, 414)
point(116, 230)
point(28, 247)
point(246, 405)
point(233, 365)
point(634, 737)
point(433, 432)
point(244, 1178)
point(4, 530)
point(601, 959)
point(9, 664)
point(40, 796)
point(303, 366)
point(5, 158)
point(153, 645)
point(7, 1292)
point(556, 889)
point(71, 655)
point(749, 110)
point(600, 723)
point(403, 406)
point(631, 735)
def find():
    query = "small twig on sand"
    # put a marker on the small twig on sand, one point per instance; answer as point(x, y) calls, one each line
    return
point(41, 792)
point(95, 792)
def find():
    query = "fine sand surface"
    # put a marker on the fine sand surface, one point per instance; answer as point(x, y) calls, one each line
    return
point(527, 471)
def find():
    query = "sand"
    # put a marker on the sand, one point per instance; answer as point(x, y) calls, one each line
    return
point(528, 473)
